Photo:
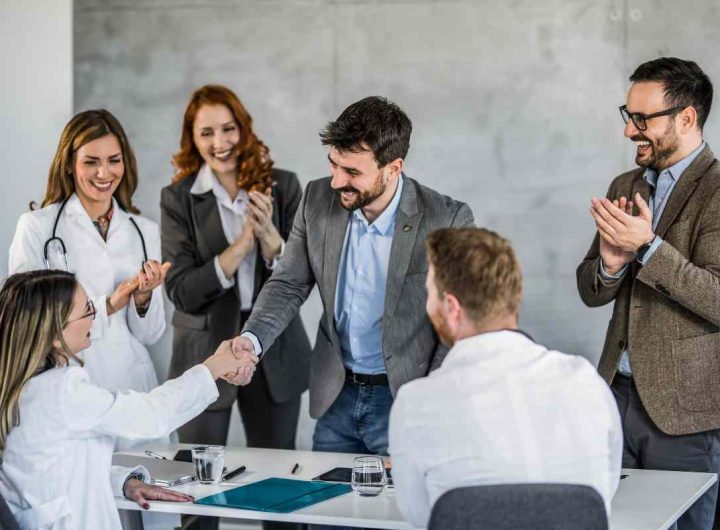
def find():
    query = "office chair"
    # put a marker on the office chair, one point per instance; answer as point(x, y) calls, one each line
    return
point(520, 507)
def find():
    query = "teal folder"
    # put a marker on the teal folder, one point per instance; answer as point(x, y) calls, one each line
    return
point(279, 495)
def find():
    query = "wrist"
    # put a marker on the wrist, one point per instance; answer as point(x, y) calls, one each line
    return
point(212, 365)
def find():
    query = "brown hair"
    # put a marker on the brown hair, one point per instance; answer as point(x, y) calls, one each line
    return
point(479, 268)
point(255, 164)
point(83, 129)
point(34, 308)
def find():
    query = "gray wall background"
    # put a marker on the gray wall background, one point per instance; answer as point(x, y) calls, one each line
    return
point(514, 104)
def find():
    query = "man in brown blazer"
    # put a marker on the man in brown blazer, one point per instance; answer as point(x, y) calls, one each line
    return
point(661, 266)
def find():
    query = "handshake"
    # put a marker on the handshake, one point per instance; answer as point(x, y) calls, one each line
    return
point(234, 361)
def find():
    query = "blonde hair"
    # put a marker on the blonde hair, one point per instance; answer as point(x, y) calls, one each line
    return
point(81, 130)
point(34, 308)
point(479, 268)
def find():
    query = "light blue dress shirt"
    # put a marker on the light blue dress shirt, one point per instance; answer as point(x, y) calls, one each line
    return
point(360, 300)
point(663, 185)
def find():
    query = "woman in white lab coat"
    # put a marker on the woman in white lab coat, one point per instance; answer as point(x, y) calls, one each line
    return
point(89, 226)
point(57, 429)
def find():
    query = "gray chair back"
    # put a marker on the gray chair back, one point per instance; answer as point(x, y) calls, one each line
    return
point(7, 520)
point(520, 507)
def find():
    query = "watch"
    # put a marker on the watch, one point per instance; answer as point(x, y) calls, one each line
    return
point(642, 249)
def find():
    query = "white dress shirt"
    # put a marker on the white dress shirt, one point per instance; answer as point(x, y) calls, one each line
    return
point(503, 409)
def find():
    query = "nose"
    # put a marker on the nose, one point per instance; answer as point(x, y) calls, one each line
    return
point(630, 129)
point(339, 179)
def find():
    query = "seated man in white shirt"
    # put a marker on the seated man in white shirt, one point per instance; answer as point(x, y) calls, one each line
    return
point(501, 408)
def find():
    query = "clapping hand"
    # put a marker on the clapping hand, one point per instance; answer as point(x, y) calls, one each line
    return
point(260, 218)
point(621, 233)
point(150, 276)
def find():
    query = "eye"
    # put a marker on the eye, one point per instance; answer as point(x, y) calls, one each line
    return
point(116, 160)
point(89, 162)
point(230, 128)
point(206, 133)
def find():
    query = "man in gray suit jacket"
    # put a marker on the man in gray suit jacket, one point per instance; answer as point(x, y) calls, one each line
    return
point(661, 268)
point(359, 235)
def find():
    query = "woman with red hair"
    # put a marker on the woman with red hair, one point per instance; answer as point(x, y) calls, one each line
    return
point(225, 219)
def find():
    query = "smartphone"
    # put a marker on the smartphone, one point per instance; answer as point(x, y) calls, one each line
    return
point(183, 455)
point(344, 474)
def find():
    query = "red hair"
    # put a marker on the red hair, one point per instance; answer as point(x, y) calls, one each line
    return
point(254, 162)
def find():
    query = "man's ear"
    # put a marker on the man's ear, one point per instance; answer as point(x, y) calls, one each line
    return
point(452, 306)
point(687, 119)
point(395, 167)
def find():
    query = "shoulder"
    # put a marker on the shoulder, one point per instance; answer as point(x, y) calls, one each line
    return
point(580, 375)
point(54, 384)
point(319, 189)
point(36, 223)
point(434, 203)
point(179, 188)
point(286, 182)
point(147, 226)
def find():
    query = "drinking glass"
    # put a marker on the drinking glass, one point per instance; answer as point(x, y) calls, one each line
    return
point(209, 461)
point(368, 475)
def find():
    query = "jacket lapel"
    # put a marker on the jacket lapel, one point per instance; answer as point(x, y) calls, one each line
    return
point(208, 226)
point(684, 188)
point(405, 234)
point(334, 238)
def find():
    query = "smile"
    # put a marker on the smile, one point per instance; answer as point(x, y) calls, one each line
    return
point(224, 155)
point(102, 186)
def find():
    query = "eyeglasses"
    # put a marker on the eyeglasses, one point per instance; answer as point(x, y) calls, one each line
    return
point(89, 312)
point(640, 120)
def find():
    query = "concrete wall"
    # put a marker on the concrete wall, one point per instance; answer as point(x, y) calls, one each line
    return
point(35, 101)
point(514, 104)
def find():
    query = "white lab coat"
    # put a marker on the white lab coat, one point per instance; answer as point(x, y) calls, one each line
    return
point(502, 409)
point(117, 359)
point(56, 469)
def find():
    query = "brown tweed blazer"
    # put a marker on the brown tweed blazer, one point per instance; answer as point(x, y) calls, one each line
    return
point(667, 312)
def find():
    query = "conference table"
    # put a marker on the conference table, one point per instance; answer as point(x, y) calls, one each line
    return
point(645, 500)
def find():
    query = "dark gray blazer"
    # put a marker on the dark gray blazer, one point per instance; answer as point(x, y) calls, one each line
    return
point(205, 312)
point(312, 256)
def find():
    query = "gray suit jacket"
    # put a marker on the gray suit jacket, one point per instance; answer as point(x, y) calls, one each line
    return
point(206, 313)
point(312, 256)
point(667, 312)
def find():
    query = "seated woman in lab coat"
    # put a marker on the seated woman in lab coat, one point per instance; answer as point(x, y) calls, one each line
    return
point(89, 225)
point(58, 429)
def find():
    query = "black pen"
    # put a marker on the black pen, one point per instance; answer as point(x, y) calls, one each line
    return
point(294, 469)
point(234, 473)
point(155, 455)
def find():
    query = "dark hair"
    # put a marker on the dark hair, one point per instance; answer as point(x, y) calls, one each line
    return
point(478, 267)
point(83, 129)
point(685, 84)
point(373, 123)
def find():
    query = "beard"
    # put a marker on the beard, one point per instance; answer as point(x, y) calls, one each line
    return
point(660, 151)
point(440, 326)
point(362, 198)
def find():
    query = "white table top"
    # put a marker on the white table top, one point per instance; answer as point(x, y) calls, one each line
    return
point(644, 500)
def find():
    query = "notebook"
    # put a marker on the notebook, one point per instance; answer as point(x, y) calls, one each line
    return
point(278, 495)
point(166, 473)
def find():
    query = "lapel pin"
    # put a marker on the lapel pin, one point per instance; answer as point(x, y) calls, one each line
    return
point(407, 228)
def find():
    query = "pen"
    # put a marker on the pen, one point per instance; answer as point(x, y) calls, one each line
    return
point(155, 455)
point(234, 473)
point(295, 468)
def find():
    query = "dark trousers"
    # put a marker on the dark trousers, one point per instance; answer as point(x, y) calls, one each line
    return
point(267, 424)
point(647, 447)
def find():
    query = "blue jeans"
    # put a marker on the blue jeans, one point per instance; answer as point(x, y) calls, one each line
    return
point(357, 422)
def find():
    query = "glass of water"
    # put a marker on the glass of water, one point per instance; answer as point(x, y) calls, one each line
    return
point(368, 475)
point(209, 461)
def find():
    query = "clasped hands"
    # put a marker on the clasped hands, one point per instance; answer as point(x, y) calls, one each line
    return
point(151, 275)
point(621, 233)
point(234, 361)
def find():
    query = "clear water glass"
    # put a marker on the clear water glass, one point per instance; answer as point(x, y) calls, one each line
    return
point(368, 475)
point(209, 461)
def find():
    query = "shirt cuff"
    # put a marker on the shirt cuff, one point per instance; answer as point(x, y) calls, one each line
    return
point(255, 342)
point(120, 475)
point(650, 251)
point(272, 265)
point(225, 282)
point(605, 275)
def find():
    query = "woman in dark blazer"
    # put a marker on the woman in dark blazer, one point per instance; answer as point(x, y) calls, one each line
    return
point(224, 221)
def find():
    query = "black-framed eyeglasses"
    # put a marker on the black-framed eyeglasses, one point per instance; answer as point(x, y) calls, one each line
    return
point(640, 120)
point(89, 312)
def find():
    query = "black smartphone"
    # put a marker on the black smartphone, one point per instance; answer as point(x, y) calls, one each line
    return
point(344, 474)
point(183, 455)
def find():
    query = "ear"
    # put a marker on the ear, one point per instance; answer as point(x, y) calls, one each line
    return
point(452, 306)
point(687, 120)
point(395, 167)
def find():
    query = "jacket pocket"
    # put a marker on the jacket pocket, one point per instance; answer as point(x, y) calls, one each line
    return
point(186, 320)
point(696, 363)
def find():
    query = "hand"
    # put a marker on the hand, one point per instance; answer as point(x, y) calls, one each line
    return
point(141, 493)
point(120, 296)
point(228, 364)
point(150, 276)
point(617, 227)
point(260, 217)
point(231, 257)
point(613, 257)
point(242, 347)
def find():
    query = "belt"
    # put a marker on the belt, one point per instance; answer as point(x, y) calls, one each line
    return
point(367, 379)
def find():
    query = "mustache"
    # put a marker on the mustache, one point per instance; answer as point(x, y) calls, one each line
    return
point(348, 189)
point(639, 138)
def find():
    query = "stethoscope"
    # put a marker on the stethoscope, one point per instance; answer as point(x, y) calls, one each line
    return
point(62, 243)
